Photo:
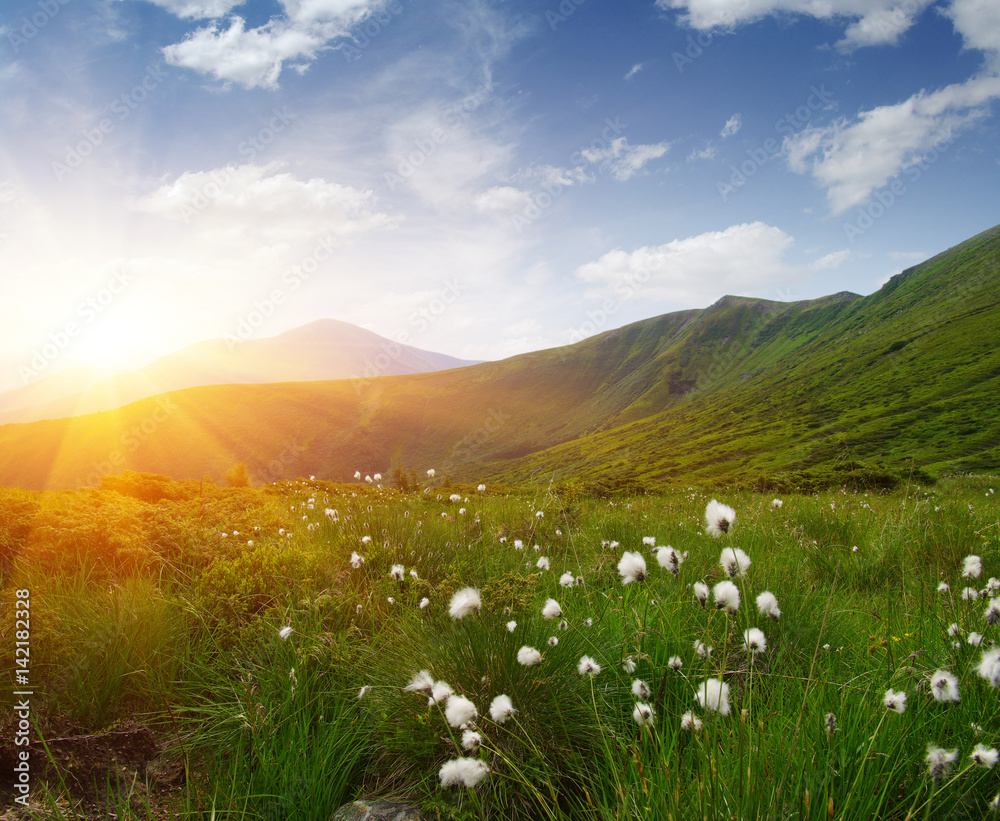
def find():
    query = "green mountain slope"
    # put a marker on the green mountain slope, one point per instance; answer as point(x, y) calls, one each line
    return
point(743, 387)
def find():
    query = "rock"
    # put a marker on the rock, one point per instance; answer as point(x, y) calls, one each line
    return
point(378, 810)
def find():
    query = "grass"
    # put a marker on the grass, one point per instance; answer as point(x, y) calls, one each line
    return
point(143, 610)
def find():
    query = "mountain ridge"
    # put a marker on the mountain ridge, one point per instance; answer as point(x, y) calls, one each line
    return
point(907, 375)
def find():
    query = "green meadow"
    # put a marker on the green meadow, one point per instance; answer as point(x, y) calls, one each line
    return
point(287, 648)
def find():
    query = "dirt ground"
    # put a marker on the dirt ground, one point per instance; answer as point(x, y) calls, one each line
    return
point(136, 761)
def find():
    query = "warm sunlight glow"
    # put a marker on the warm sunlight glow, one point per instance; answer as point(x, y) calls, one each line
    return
point(118, 344)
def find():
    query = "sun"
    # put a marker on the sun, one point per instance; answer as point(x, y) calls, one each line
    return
point(117, 344)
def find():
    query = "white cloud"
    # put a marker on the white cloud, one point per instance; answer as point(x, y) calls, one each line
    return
point(978, 21)
point(832, 260)
point(742, 259)
point(706, 153)
point(874, 21)
point(633, 71)
point(733, 124)
point(198, 9)
point(502, 199)
point(624, 161)
point(852, 159)
point(259, 201)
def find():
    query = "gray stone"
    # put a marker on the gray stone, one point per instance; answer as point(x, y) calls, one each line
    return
point(378, 810)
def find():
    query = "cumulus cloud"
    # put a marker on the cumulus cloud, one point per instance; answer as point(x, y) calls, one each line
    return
point(873, 21)
point(255, 57)
point(851, 159)
point(831, 260)
point(622, 160)
point(733, 124)
point(198, 9)
point(978, 21)
point(741, 259)
point(261, 200)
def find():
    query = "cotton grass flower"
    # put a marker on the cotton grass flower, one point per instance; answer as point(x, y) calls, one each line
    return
point(939, 761)
point(734, 562)
point(440, 691)
point(640, 689)
point(719, 517)
point(767, 605)
point(983, 756)
point(628, 665)
point(989, 666)
point(894, 701)
point(632, 567)
point(553, 641)
point(464, 602)
point(776, 504)
point(528, 656)
point(466, 772)
point(944, 587)
point(713, 695)
point(703, 650)
point(567, 580)
point(364, 691)
point(285, 632)
point(420, 681)
point(459, 711)
point(471, 740)
point(398, 572)
point(424, 602)
point(356, 560)
point(669, 559)
point(588, 667)
point(992, 612)
point(643, 714)
point(501, 709)
point(675, 662)
point(972, 567)
point(701, 593)
point(727, 597)
point(944, 686)
point(689, 721)
point(551, 610)
point(542, 563)
point(511, 626)
point(754, 641)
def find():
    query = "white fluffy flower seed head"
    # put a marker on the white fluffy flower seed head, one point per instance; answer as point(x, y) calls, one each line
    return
point(567, 580)
point(511, 626)
point(440, 691)
point(767, 605)
point(727, 596)
point(719, 517)
point(640, 689)
point(464, 602)
point(551, 610)
point(528, 656)
point(689, 721)
point(459, 711)
point(588, 667)
point(944, 686)
point(894, 701)
point(983, 756)
point(972, 567)
point(669, 559)
point(989, 666)
point(356, 560)
point(466, 772)
point(754, 640)
point(701, 593)
point(501, 709)
point(939, 761)
point(734, 562)
point(643, 714)
point(714, 695)
point(471, 740)
point(421, 681)
point(398, 572)
point(675, 662)
point(632, 567)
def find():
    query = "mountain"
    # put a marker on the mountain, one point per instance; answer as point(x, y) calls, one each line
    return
point(322, 350)
point(743, 388)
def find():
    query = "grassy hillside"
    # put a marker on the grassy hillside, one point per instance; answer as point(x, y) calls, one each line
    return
point(908, 375)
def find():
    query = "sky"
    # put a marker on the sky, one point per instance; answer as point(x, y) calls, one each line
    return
point(480, 178)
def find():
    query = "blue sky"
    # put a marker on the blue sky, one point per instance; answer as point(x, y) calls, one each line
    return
point(480, 178)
